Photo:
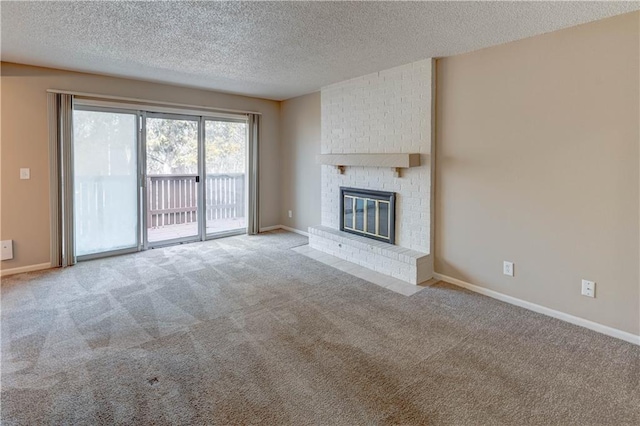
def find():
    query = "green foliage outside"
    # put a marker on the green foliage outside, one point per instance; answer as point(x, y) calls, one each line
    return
point(172, 145)
point(225, 147)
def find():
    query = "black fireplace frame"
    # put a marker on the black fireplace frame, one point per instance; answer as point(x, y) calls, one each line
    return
point(377, 195)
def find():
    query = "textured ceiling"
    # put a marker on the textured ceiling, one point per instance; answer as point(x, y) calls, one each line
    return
point(274, 50)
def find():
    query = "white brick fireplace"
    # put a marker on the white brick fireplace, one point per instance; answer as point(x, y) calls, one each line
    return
point(381, 113)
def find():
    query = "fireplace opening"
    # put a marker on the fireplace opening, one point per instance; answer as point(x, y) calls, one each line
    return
point(368, 213)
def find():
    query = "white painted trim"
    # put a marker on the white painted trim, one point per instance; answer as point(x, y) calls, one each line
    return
point(23, 269)
point(150, 101)
point(270, 228)
point(134, 107)
point(294, 230)
point(600, 328)
point(286, 228)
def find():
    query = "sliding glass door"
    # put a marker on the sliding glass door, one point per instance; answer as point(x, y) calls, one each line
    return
point(105, 170)
point(172, 178)
point(226, 183)
point(146, 179)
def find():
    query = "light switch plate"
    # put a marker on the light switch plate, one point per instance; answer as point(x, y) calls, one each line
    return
point(25, 173)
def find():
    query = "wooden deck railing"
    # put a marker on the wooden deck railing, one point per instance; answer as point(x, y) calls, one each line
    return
point(173, 199)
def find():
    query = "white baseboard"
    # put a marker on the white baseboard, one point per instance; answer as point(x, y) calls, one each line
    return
point(294, 230)
point(23, 269)
point(286, 228)
point(270, 228)
point(600, 328)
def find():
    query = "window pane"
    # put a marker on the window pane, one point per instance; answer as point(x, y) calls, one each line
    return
point(348, 212)
point(371, 216)
point(172, 169)
point(226, 153)
point(359, 214)
point(384, 219)
point(105, 181)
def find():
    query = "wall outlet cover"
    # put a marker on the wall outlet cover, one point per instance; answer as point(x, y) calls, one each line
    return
point(6, 249)
point(588, 288)
point(507, 268)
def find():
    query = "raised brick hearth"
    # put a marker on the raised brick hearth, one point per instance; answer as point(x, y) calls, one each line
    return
point(404, 264)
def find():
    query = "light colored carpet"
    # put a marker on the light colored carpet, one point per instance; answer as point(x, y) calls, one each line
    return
point(246, 331)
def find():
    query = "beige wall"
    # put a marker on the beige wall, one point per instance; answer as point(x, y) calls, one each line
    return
point(537, 155)
point(300, 143)
point(25, 203)
point(538, 163)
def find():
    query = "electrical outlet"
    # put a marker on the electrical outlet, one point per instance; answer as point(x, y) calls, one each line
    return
point(588, 288)
point(6, 249)
point(290, 213)
point(25, 173)
point(507, 268)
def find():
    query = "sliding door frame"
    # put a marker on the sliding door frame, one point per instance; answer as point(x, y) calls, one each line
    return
point(137, 246)
point(199, 188)
point(142, 187)
point(202, 187)
point(142, 112)
point(241, 231)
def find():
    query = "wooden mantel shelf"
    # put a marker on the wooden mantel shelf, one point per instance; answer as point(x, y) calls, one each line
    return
point(394, 161)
